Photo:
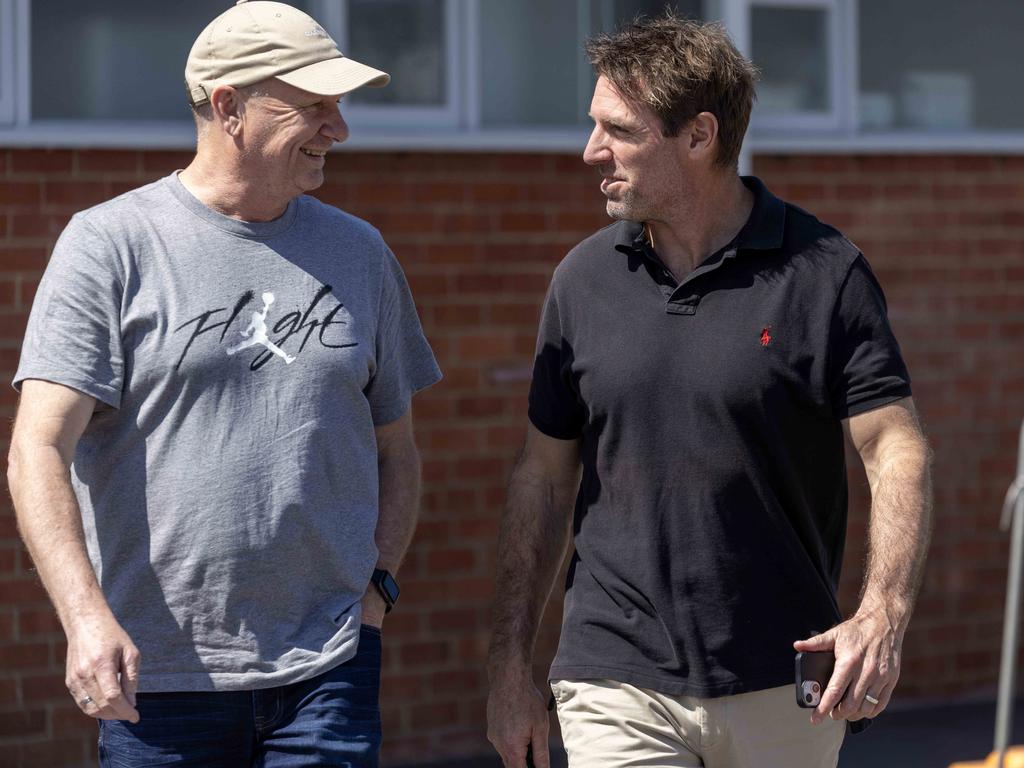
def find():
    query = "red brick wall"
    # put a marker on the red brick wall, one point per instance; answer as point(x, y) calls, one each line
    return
point(945, 236)
point(478, 236)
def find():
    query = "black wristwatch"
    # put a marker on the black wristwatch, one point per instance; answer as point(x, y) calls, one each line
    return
point(387, 586)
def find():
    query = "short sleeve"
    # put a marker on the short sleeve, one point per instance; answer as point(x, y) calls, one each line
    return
point(74, 330)
point(555, 406)
point(865, 367)
point(405, 363)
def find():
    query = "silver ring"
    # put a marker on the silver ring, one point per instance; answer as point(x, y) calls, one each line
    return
point(870, 699)
point(85, 702)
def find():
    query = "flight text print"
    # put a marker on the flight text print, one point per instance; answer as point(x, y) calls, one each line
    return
point(258, 332)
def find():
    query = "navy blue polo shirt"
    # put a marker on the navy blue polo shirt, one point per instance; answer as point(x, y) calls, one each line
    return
point(711, 515)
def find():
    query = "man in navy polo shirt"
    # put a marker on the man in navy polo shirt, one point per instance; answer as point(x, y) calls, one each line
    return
point(699, 360)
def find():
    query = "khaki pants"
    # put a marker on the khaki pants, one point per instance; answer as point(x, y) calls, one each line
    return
point(606, 724)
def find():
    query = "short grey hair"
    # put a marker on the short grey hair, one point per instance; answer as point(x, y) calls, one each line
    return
point(203, 114)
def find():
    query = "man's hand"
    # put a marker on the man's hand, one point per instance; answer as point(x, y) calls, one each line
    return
point(103, 669)
point(532, 542)
point(374, 607)
point(517, 719)
point(867, 650)
point(103, 662)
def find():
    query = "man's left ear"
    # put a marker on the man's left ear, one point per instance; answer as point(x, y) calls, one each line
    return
point(703, 135)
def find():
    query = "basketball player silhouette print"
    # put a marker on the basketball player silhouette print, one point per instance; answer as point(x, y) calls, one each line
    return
point(256, 333)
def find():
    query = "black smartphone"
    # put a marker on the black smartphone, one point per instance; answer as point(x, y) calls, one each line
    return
point(813, 671)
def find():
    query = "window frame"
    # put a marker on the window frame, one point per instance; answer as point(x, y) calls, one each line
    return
point(841, 90)
point(334, 17)
point(9, 88)
point(465, 133)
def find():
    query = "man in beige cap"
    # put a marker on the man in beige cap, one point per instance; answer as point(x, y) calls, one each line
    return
point(213, 463)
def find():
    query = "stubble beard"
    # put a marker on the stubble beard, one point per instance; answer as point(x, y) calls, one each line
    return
point(623, 208)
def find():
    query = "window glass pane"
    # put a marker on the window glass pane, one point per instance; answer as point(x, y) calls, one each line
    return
point(115, 60)
point(790, 47)
point(611, 14)
point(4, 53)
point(533, 68)
point(530, 63)
point(4, 59)
point(405, 38)
point(941, 65)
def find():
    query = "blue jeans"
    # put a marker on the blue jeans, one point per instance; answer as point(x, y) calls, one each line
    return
point(329, 720)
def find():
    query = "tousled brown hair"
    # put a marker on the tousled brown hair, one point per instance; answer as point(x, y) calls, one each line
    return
point(679, 68)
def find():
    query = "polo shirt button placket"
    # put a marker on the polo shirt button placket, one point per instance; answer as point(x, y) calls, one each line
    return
point(687, 306)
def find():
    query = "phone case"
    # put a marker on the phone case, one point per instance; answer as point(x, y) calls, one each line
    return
point(813, 670)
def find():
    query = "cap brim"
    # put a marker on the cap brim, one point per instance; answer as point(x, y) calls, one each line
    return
point(335, 77)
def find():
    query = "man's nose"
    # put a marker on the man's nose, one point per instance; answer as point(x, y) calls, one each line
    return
point(595, 153)
point(335, 128)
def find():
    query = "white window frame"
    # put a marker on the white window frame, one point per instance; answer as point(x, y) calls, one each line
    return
point(334, 16)
point(391, 129)
point(8, 52)
point(114, 134)
point(792, 134)
point(837, 46)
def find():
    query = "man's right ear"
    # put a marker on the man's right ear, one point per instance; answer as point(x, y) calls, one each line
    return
point(228, 109)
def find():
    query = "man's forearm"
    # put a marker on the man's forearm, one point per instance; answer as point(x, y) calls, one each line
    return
point(900, 528)
point(531, 544)
point(51, 526)
point(868, 645)
point(399, 480)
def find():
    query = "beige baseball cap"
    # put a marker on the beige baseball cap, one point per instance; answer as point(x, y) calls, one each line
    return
point(256, 40)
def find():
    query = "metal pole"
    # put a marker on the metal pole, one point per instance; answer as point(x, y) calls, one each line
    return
point(1013, 517)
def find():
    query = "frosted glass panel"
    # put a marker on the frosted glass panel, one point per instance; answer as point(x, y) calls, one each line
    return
point(115, 60)
point(612, 13)
point(790, 47)
point(405, 38)
point(533, 69)
point(530, 62)
point(941, 65)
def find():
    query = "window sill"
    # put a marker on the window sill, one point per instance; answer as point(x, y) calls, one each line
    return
point(181, 136)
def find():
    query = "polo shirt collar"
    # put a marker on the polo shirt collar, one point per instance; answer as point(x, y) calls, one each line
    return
point(629, 236)
point(763, 231)
point(767, 221)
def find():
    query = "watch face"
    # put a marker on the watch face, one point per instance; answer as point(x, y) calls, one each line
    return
point(390, 586)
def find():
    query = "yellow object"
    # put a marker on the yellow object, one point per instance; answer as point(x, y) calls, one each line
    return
point(1014, 759)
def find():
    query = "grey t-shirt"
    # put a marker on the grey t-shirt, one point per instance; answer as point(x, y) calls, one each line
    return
point(228, 478)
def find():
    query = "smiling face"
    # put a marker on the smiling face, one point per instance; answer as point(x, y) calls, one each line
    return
point(642, 171)
point(287, 132)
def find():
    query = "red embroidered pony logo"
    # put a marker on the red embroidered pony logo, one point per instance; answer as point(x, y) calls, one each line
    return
point(766, 338)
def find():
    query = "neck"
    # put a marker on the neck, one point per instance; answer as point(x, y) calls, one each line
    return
point(219, 182)
point(705, 220)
